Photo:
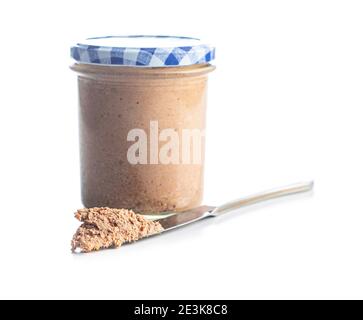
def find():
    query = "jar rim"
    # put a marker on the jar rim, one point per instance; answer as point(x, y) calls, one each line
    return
point(92, 70)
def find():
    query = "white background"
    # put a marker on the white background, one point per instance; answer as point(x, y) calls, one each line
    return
point(285, 104)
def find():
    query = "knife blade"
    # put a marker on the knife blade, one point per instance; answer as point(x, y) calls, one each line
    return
point(186, 217)
point(183, 218)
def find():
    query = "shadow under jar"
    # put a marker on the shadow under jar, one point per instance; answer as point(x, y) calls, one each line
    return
point(142, 121)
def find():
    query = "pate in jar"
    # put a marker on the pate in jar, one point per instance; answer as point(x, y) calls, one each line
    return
point(142, 107)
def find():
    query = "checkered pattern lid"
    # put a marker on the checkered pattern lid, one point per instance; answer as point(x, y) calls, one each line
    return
point(143, 51)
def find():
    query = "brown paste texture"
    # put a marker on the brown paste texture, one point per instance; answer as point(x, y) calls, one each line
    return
point(104, 228)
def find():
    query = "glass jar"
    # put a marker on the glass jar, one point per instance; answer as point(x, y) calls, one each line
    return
point(142, 120)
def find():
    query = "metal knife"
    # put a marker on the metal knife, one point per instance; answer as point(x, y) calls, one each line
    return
point(199, 213)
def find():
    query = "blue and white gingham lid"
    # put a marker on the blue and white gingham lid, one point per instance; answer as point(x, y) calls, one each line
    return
point(143, 51)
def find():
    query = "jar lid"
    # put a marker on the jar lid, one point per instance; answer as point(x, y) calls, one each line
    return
point(143, 51)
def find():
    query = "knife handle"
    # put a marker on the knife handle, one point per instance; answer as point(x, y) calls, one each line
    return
point(263, 196)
